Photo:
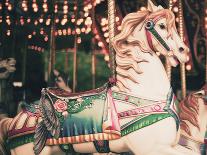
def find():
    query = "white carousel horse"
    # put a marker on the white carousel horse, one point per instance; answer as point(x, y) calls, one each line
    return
point(140, 114)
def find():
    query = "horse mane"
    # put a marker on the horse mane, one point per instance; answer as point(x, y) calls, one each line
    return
point(189, 109)
point(126, 58)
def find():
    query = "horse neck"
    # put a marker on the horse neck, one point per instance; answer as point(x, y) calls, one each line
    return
point(152, 83)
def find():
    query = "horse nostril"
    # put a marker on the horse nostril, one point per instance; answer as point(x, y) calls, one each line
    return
point(181, 49)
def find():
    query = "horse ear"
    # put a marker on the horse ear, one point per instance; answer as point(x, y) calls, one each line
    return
point(153, 8)
point(150, 6)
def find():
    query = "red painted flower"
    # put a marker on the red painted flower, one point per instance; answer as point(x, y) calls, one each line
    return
point(60, 105)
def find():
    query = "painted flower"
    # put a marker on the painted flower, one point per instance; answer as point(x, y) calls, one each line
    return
point(60, 105)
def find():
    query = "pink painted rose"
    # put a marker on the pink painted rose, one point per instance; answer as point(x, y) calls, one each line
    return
point(60, 105)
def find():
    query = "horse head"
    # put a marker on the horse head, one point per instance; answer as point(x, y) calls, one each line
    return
point(153, 30)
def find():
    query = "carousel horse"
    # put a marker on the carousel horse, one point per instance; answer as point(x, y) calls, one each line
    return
point(7, 66)
point(133, 113)
point(193, 121)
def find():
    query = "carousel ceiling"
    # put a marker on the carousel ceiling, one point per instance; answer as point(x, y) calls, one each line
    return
point(28, 23)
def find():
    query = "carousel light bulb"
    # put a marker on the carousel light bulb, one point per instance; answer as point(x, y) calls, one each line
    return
point(107, 40)
point(75, 7)
point(79, 40)
point(65, 7)
point(10, 7)
point(78, 31)
point(175, 9)
point(69, 31)
point(35, 9)
point(34, 5)
point(83, 29)
point(188, 67)
point(86, 14)
point(44, 6)
point(25, 9)
point(64, 32)
point(24, 4)
point(29, 36)
point(85, 9)
point(97, 37)
point(41, 32)
point(78, 22)
point(117, 19)
point(106, 57)
point(57, 20)
point(41, 20)
point(100, 44)
point(59, 32)
point(45, 10)
point(28, 20)
point(35, 22)
point(48, 21)
point(72, 20)
point(46, 39)
point(106, 35)
point(90, 6)
point(0, 6)
point(65, 11)
point(8, 33)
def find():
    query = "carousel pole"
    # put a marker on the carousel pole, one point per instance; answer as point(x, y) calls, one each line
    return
point(111, 25)
point(93, 58)
point(167, 63)
point(206, 38)
point(182, 66)
point(52, 55)
point(66, 60)
point(75, 50)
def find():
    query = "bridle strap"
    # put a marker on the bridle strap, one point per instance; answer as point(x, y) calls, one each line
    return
point(150, 30)
point(149, 40)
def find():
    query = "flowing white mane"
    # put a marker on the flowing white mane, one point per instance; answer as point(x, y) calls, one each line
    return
point(127, 58)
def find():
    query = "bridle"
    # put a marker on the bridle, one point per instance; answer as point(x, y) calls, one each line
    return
point(150, 30)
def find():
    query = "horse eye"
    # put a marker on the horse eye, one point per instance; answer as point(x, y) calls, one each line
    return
point(162, 26)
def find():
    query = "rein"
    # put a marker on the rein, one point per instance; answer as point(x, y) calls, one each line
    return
point(190, 143)
point(150, 30)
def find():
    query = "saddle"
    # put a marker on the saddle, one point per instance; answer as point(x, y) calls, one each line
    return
point(62, 93)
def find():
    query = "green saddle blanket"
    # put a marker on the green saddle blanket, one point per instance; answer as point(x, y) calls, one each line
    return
point(82, 118)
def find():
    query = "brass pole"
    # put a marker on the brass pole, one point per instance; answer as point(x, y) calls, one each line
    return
point(93, 57)
point(206, 37)
point(52, 55)
point(75, 51)
point(66, 60)
point(182, 66)
point(111, 25)
point(167, 63)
